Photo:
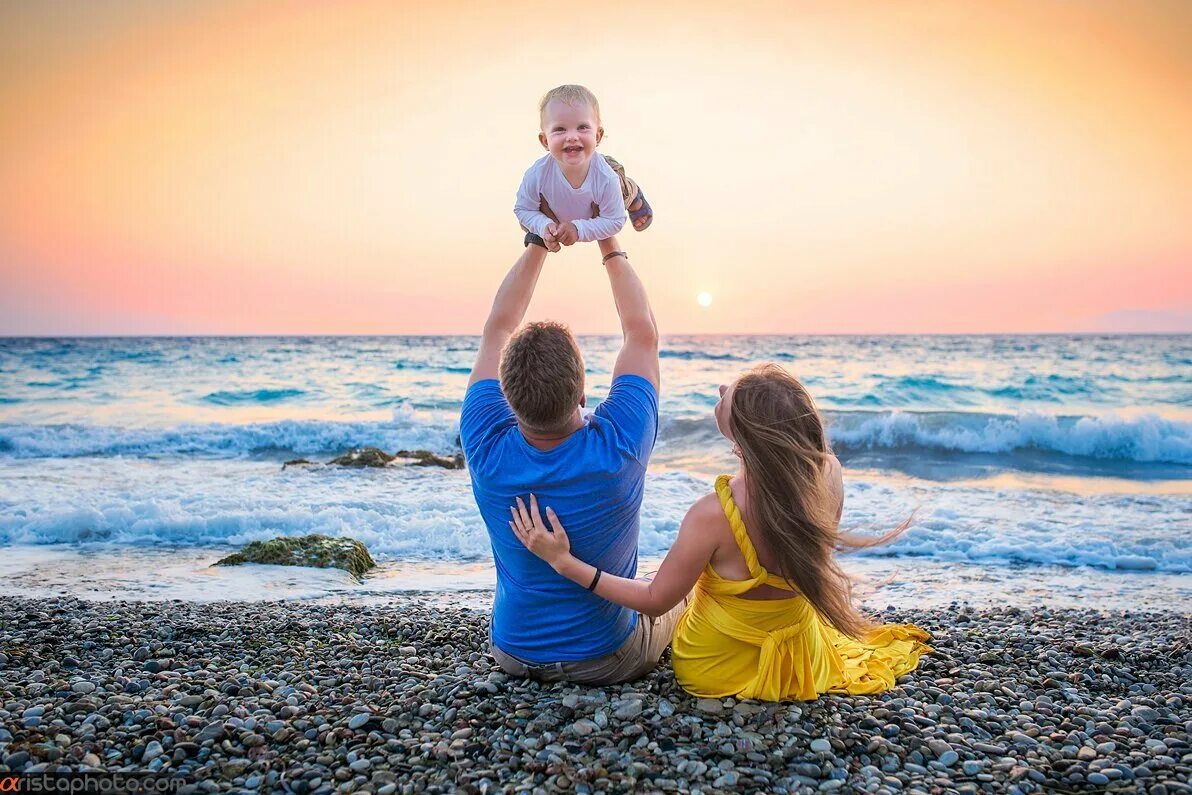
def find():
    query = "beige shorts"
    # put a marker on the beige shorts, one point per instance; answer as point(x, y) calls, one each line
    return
point(635, 658)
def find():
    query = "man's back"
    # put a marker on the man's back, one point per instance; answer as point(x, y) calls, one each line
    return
point(594, 481)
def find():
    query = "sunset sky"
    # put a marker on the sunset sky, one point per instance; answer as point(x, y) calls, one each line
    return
point(335, 168)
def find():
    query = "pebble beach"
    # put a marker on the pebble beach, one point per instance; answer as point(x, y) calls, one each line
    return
point(404, 697)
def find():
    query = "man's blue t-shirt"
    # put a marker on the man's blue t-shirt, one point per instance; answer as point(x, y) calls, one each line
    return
point(594, 482)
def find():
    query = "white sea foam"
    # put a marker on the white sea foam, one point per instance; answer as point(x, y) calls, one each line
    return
point(1143, 439)
point(1147, 438)
point(421, 514)
point(407, 429)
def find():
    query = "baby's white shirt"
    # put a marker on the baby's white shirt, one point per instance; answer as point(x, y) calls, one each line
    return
point(545, 178)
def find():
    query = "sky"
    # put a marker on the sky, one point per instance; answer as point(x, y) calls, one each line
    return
point(250, 167)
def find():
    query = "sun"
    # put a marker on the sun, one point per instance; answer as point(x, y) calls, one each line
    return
point(704, 299)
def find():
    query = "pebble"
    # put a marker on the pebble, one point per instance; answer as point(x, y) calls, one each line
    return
point(152, 751)
point(629, 710)
point(584, 727)
point(729, 779)
point(291, 696)
point(17, 760)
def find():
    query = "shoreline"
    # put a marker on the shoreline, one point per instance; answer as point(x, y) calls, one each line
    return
point(157, 573)
point(404, 697)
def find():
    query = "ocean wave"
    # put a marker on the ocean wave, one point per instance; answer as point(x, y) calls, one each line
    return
point(1052, 388)
point(939, 390)
point(407, 430)
point(1144, 439)
point(1148, 438)
point(670, 353)
point(438, 368)
point(419, 514)
point(434, 426)
point(233, 397)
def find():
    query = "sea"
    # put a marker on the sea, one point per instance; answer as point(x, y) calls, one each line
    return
point(1041, 470)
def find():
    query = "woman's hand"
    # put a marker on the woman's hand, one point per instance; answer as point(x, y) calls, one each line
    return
point(553, 547)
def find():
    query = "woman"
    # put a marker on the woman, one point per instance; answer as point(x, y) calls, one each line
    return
point(771, 616)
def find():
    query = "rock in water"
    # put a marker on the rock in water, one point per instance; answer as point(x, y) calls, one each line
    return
point(363, 457)
point(375, 457)
point(312, 550)
point(425, 458)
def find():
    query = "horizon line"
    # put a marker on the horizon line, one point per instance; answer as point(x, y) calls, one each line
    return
point(615, 334)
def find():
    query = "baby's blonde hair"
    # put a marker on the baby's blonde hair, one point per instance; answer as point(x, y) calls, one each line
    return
point(572, 95)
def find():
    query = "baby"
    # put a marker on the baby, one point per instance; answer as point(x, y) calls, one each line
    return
point(573, 193)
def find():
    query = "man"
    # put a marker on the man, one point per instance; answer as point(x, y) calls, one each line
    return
point(524, 433)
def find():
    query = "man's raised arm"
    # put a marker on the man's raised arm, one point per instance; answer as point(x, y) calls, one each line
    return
point(509, 307)
point(639, 352)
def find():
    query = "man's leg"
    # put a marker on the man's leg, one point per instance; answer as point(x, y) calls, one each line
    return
point(515, 667)
point(636, 657)
point(662, 629)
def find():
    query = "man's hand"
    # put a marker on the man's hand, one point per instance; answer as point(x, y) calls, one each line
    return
point(566, 233)
point(544, 208)
point(551, 235)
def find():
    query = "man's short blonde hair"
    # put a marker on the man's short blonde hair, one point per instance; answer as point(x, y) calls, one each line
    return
point(572, 95)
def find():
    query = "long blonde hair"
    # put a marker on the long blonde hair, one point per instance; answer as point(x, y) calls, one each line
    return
point(793, 504)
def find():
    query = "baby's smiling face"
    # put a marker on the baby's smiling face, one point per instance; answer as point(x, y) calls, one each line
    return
point(570, 132)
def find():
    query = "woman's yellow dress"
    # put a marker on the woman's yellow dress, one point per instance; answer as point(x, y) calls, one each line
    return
point(778, 649)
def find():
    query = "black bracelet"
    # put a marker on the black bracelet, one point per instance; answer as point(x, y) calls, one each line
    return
point(595, 580)
point(612, 254)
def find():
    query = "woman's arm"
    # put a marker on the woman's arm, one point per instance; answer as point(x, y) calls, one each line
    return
point(680, 569)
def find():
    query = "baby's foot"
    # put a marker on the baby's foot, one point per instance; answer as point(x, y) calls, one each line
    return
point(643, 219)
point(640, 212)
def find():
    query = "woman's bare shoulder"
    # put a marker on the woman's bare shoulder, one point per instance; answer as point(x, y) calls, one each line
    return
point(706, 515)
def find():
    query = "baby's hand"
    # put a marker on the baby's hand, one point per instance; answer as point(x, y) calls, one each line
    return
point(550, 237)
point(566, 233)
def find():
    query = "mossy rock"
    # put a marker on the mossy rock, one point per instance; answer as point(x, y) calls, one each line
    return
point(315, 550)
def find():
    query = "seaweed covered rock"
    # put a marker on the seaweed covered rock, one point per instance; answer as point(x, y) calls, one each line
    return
point(425, 458)
point(315, 550)
point(363, 457)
